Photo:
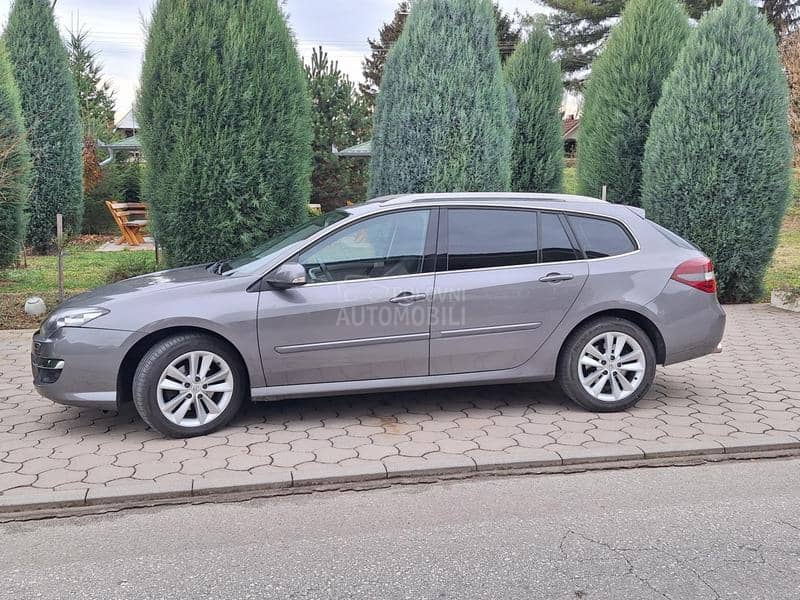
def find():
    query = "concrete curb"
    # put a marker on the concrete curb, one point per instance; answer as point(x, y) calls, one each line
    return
point(31, 504)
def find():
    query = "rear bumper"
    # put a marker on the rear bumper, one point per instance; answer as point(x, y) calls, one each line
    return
point(78, 366)
point(691, 322)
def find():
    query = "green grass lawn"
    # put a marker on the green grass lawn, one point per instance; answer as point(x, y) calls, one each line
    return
point(570, 181)
point(84, 269)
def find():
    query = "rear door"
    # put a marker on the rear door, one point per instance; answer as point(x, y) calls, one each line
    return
point(505, 279)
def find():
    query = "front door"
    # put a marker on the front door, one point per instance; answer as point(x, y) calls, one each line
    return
point(365, 311)
point(499, 293)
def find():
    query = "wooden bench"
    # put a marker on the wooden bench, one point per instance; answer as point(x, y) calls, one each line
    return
point(131, 218)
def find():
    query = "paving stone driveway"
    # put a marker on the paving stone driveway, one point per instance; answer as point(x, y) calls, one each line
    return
point(749, 396)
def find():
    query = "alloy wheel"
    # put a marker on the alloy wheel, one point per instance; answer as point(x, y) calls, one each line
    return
point(611, 366)
point(195, 388)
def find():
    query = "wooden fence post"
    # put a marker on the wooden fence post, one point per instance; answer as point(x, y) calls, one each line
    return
point(60, 249)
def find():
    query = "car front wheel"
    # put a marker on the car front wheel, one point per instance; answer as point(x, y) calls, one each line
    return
point(188, 385)
point(607, 365)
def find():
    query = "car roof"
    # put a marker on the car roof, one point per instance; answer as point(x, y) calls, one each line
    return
point(561, 202)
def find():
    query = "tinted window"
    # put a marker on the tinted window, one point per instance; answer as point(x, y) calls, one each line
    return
point(673, 237)
point(556, 246)
point(600, 238)
point(490, 238)
point(384, 246)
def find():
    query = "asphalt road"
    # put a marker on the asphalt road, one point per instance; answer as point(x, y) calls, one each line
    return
point(728, 530)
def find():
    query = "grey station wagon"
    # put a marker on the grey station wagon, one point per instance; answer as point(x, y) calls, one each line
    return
point(413, 291)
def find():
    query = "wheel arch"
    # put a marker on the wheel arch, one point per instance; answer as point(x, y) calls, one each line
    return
point(135, 354)
point(646, 324)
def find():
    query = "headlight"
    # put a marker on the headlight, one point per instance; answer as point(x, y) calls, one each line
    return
point(71, 317)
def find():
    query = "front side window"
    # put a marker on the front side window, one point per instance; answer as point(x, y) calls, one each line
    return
point(383, 246)
point(601, 238)
point(483, 238)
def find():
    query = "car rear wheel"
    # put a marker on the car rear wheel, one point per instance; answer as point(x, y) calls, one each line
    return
point(607, 365)
point(189, 385)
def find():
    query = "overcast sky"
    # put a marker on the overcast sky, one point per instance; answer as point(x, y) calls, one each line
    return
point(340, 26)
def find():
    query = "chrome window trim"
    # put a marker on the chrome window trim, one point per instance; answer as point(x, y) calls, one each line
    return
point(419, 206)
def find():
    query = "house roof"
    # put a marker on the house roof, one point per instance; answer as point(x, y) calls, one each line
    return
point(130, 144)
point(128, 121)
point(363, 150)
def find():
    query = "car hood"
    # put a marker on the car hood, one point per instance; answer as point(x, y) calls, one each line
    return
point(142, 285)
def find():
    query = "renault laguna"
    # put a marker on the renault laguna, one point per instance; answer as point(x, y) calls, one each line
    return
point(402, 292)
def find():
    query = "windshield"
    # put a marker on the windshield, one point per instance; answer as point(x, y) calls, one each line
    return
point(261, 253)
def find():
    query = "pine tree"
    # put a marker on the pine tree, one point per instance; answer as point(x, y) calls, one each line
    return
point(15, 165)
point(341, 119)
point(95, 95)
point(537, 162)
point(508, 35)
point(442, 122)
point(50, 110)
point(621, 94)
point(717, 164)
point(226, 127)
point(581, 27)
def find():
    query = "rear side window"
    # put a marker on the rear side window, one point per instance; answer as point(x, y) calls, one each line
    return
point(673, 237)
point(478, 239)
point(600, 238)
point(556, 245)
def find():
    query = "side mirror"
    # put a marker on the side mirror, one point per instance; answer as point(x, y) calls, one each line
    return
point(289, 274)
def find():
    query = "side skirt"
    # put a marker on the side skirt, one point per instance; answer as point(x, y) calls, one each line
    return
point(340, 388)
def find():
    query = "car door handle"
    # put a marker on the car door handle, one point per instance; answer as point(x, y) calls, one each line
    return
point(407, 298)
point(556, 277)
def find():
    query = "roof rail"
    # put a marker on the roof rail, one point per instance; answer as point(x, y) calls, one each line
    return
point(480, 196)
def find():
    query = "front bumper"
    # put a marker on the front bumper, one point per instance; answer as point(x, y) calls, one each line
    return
point(78, 366)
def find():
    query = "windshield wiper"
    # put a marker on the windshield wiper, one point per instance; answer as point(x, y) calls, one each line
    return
point(219, 267)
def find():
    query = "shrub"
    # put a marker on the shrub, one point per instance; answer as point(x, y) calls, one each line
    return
point(537, 159)
point(226, 127)
point(622, 92)
point(50, 110)
point(442, 120)
point(131, 264)
point(15, 165)
point(717, 164)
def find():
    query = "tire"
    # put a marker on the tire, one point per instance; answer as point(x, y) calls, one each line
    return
point(611, 396)
point(158, 392)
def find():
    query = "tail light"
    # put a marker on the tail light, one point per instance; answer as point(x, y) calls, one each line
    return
point(697, 273)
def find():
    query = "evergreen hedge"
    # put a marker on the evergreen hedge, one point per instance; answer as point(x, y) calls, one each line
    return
point(622, 91)
point(15, 165)
point(50, 111)
point(442, 121)
point(226, 127)
point(537, 159)
point(717, 164)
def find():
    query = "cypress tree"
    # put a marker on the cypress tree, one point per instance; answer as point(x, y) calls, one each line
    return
point(226, 127)
point(622, 92)
point(442, 119)
point(15, 164)
point(50, 110)
point(537, 160)
point(716, 167)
